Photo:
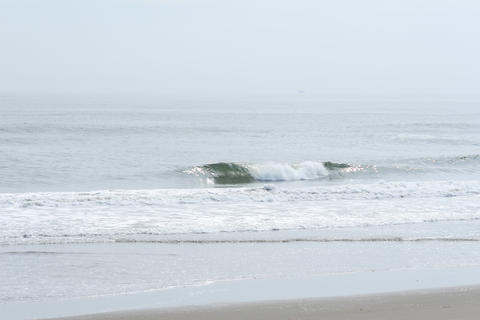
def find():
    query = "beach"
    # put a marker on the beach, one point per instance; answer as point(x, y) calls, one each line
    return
point(62, 280)
point(447, 303)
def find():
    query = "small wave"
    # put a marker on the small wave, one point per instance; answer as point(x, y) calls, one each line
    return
point(225, 173)
point(236, 173)
point(290, 240)
point(31, 252)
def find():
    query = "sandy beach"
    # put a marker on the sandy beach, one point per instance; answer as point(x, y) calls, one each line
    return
point(451, 303)
point(304, 278)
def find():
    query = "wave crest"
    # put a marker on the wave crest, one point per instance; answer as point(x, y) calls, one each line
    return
point(235, 173)
point(308, 170)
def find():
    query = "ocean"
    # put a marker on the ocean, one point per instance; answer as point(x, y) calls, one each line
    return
point(229, 174)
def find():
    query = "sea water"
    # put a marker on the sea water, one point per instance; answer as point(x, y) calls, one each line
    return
point(228, 173)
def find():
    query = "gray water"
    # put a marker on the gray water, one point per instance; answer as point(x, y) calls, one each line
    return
point(96, 168)
point(116, 195)
point(76, 143)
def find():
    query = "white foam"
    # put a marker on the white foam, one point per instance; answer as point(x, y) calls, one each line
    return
point(308, 170)
point(111, 214)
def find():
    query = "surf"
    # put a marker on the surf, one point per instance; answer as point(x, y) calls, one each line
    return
point(232, 173)
point(238, 173)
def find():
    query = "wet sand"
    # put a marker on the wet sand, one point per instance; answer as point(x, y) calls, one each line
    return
point(439, 304)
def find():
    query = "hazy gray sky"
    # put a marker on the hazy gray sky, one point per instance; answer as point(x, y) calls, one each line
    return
point(244, 46)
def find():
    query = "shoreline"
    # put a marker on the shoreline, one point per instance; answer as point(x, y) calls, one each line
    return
point(438, 304)
point(303, 272)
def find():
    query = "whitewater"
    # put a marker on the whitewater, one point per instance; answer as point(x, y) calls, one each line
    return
point(119, 214)
point(103, 170)
point(330, 195)
point(91, 187)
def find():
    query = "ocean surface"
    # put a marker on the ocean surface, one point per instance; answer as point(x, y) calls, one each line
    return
point(96, 170)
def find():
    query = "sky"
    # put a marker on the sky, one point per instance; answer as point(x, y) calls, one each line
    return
point(240, 47)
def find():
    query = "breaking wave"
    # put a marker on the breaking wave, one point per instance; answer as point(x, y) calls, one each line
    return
point(226, 173)
point(235, 173)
